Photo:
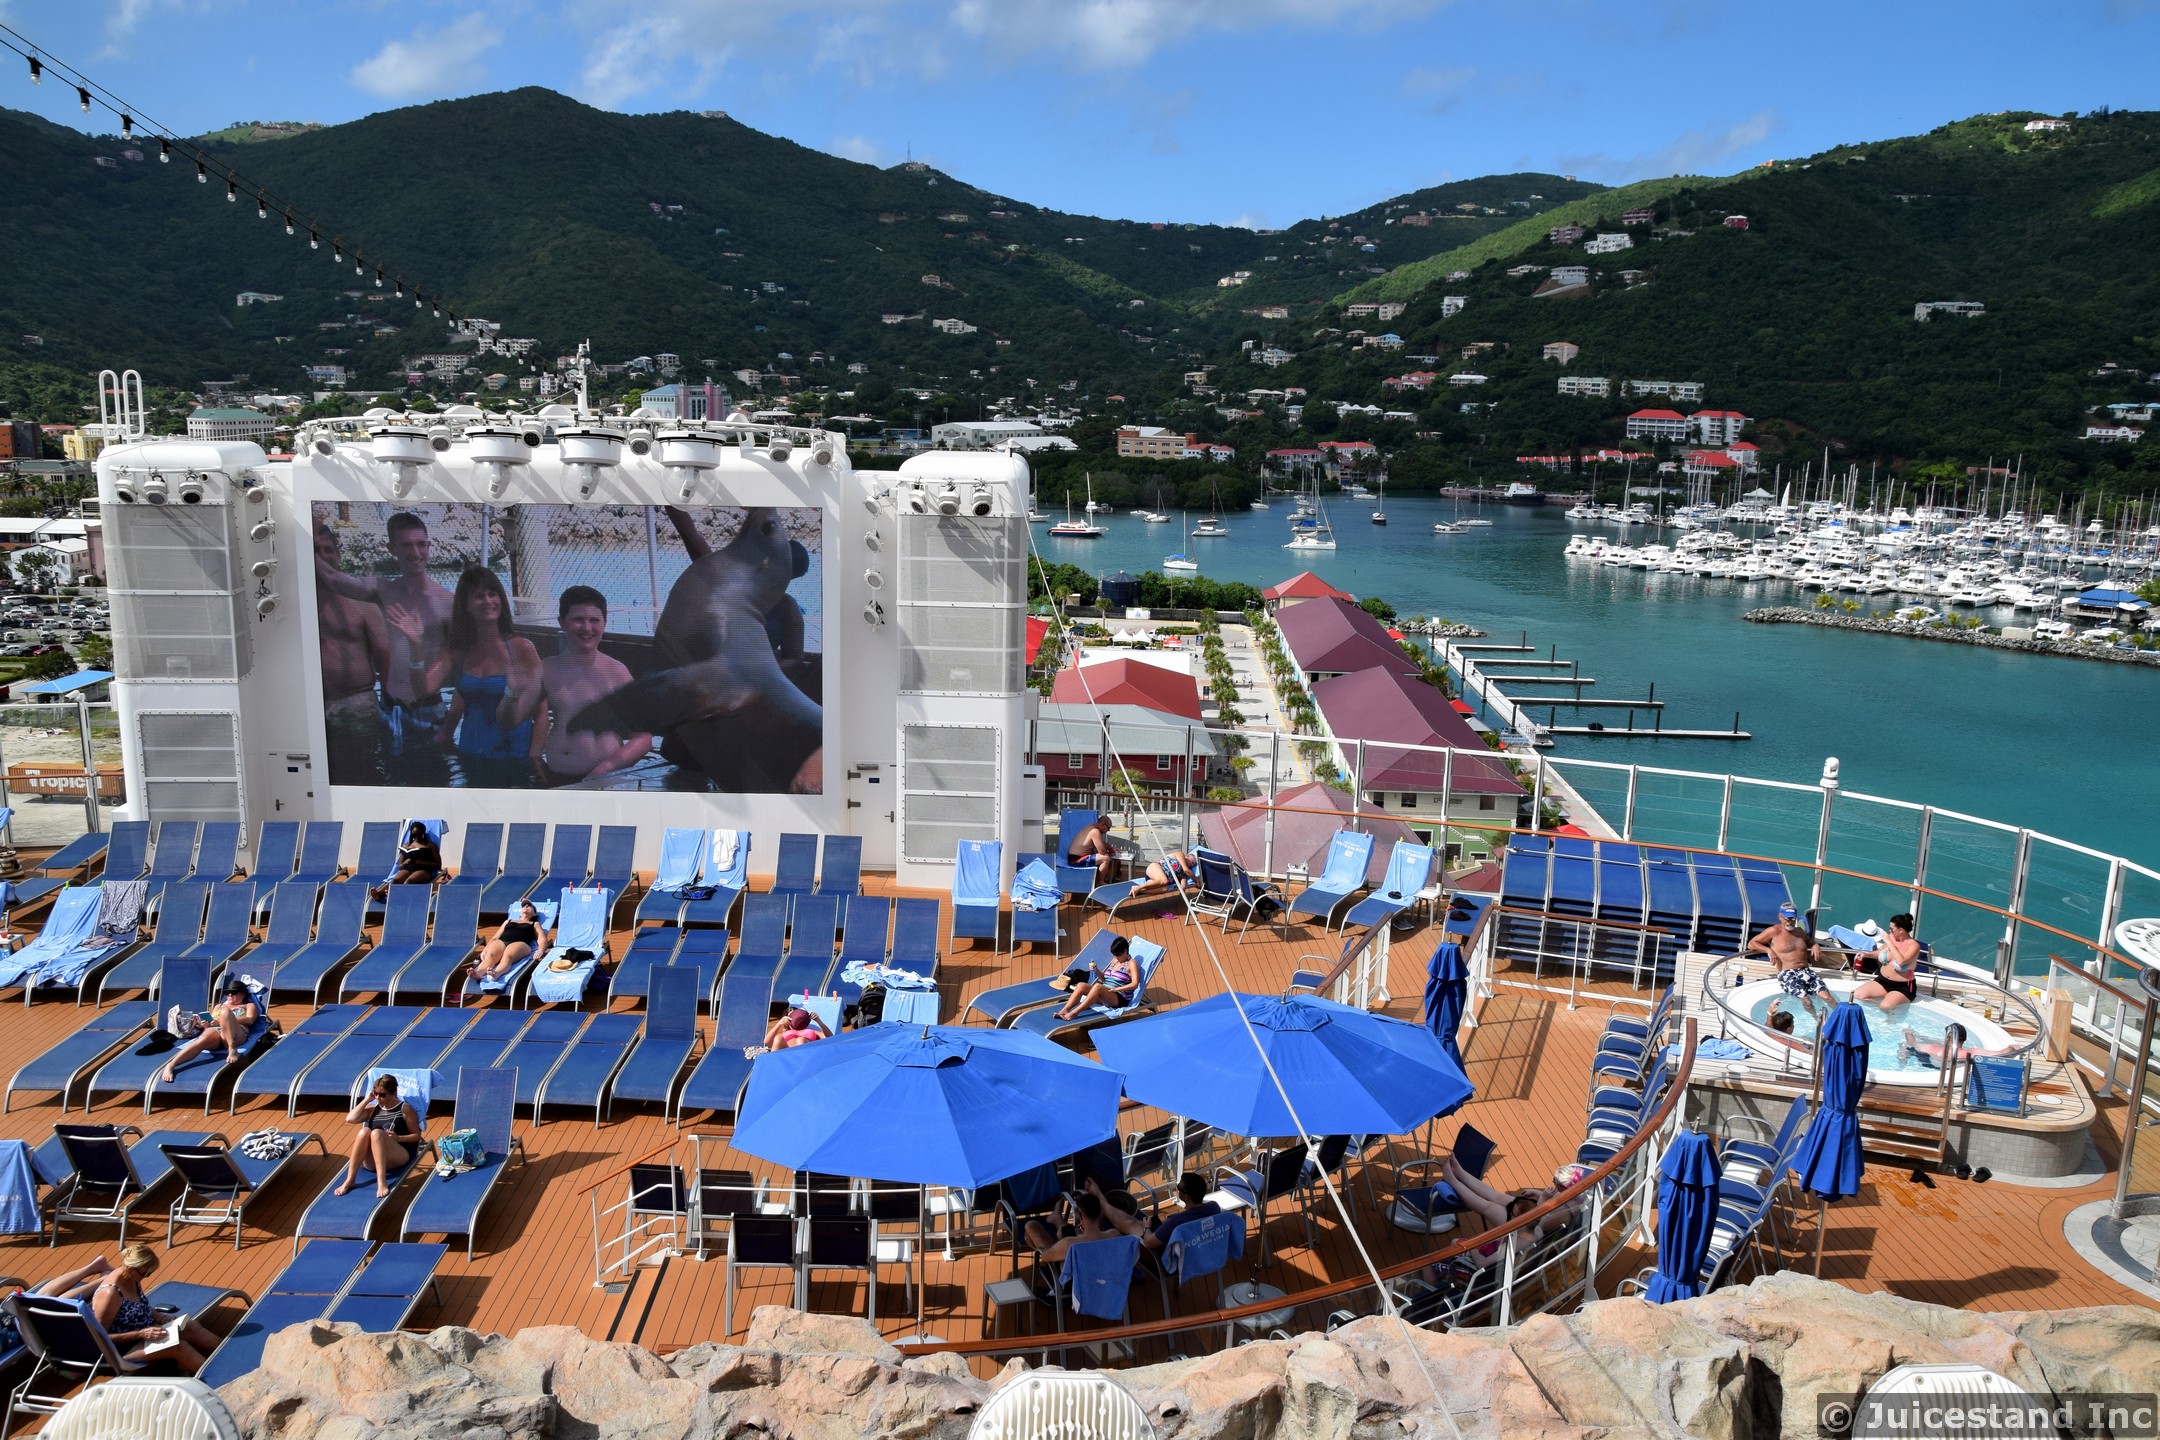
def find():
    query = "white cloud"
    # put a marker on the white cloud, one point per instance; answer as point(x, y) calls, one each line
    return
point(1438, 90)
point(1100, 33)
point(433, 60)
point(678, 48)
point(1690, 153)
point(1249, 220)
point(858, 147)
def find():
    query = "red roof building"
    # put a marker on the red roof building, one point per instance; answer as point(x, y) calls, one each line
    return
point(1657, 425)
point(1331, 636)
point(1129, 682)
point(1302, 586)
point(1391, 712)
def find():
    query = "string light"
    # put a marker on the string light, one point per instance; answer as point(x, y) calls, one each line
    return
point(378, 277)
point(314, 241)
point(164, 151)
point(202, 172)
point(232, 190)
point(127, 125)
point(262, 210)
point(357, 267)
point(337, 252)
point(288, 222)
point(84, 96)
point(37, 71)
point(400, 287)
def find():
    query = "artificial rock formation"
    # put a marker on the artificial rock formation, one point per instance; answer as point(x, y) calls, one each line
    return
point(1743, 1364)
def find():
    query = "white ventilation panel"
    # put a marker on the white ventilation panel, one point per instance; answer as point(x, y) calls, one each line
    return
point(190, 764)
point(948, 789)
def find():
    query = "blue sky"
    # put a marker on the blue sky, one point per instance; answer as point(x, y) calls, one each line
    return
point(1235, 111)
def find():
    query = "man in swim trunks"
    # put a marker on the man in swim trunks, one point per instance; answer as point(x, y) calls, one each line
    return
point(416, 591)
point(1091, 847)
point(355, 648)
point(1792, 951)
point(567, 682)
point(1897, 966)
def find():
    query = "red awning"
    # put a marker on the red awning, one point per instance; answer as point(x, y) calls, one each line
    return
point(1037, 628)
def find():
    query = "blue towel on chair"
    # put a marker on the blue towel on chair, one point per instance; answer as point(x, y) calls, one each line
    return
point(891, 979)
point(1100, 1274)
point(1715, 1047)
point(1035, 887)
point(18, 1191)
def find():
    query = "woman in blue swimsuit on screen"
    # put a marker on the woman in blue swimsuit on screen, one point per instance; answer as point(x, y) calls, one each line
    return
point(489, 665)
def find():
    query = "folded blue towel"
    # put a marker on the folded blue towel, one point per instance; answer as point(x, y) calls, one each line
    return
point(18, 1191)
point(1035, 887)
point(1714, 1048)
point(886, 975)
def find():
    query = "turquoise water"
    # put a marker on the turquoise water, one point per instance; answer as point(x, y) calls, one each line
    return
point(1886, 1030)
point(2057, 745)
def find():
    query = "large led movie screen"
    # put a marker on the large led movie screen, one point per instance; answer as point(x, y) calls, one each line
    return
point(571, 647)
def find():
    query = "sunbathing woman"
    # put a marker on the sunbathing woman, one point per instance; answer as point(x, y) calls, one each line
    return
point(232, 1020)
point(1496, 1207)
point(1171, 873)
point(389, 1129)
point(1898, 963)
point(419, 860)
point(797, 1027)
point(1112, 988)
point(520, 934)
point(118, 1305)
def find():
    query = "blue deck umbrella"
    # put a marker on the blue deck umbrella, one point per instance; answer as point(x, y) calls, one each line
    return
point(1447, 991)
point(936, 1105)
point(1687, 1207)
point(1829, 1158)
point(1348, 1071)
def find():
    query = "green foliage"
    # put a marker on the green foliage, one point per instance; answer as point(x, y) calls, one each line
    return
point(1378, 608)
point(2129, 196)
point(95, 651)
point(1226, 794)
point(2149, 592)
point(49, 667)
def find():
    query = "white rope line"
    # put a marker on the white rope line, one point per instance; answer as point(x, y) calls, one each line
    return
point(1388, 1307)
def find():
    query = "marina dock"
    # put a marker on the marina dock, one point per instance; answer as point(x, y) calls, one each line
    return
point(1480, 670)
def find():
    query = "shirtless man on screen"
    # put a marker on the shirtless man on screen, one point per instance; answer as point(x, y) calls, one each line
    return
point(355, 642)
point(566, 684)
point(412, 589)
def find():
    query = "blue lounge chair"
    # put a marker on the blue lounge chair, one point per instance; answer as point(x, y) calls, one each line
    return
point(352, 1216)
point(915, 929)
point(70, 862)
point(172, 858)
point(228, 925)
point(304, 1290)
point(1349, 853)
point(320, 845)
point(128, 856)
point(216, 1181)
point(72, 917)
point(1409, 869)
point(705, 951)
point(404, 935)
point(670, 1041)
point(796, 871)
point(179, 929)
point(201, 1074)
point(1075, 880)
point(761, 944)
point(426, 1042)
point(582, 1076)
point(276, 1073)
point(569, 860)
point(484, 1043)
point(277, 851)
point(428, 975)
point(1224, 888)
point(977, 891)
point(1147, 957)
point(60, 1067)
point(109, 1170)
point(841, 872)
point(451, 1205)
point(811, 938)
point(217, 853)
point(614, 867)
point(539, 1048)
point(580, 931)
point(863, 941)
point(726, 876)
point(292, 922)
point(481, 859)
point(180, 982)
point(549, 912)
point(377, 860)
point(650, 948)
point(524, 848)
point(682, 852)
point(353, 1053)
point(1000, 1005)
point(1034, 927)
point(338, 938)
point(741, 1012)
point(382, 1297)
point(72, 1348)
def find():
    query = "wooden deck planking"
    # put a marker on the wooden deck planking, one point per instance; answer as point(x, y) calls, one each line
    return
point(1997, 1245)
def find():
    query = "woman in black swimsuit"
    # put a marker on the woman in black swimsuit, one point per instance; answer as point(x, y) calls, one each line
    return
point(419, 861)
point(389, 1128)
point(119, 1306)
point(519, 935)
point(1898, 960)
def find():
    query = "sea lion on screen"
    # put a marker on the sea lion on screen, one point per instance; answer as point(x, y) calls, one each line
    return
point(716, 654)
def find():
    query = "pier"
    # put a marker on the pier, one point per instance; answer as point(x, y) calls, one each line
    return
point(1481, 670)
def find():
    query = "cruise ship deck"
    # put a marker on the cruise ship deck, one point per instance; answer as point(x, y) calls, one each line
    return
point(1997, 1245)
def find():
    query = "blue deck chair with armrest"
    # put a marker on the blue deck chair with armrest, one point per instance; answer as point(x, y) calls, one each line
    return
point(524, 860)
point(704, 950)
point(172, 857)
point(480, 860)
point(682, 852)
point(484, 1044)
point(916, 926)
point(1147, 958)
point(72, 917)
point(590, 1063)
point(1034, 926)
point(539, 1048)
point(302, 1291)
point(614, 866)
point(277, 851)
point(428, 975)
point(383, 1296)
point(228, 924)
point(569, 860)
point(575, 952)
point(339, 937)
point(548, 908)
point(71, 1347)
point(217, 1181)
point(977, 893)
point(863, 940)
point(110, 1170)
point(840, 873)
point(404, 935)
point(1000, 1005)
point(202, 1073)
point(379, 841)
point(650, 947)
point(353, 1053)
point(451, 1204)
point(795, 873)
point(292, 924)
point(417, 1049)
point(1222, 887)
point(59, 1068)
point(812, 936)
point(276, 1073)
point(321, 843)
point(670, 1042)
point(387, 855)
point(727, 875)
point(1075, 880)
point(179, 930)
point(1409, 869)
point(217, 853)
point(127, 857)
point(762, 937)
point(352, 1216)
point(741, 1012)
point(1349, 853)
point(65, 865)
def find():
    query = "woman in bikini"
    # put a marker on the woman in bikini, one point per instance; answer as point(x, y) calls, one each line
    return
point(1164, 876)
point(1112, 988)
point(518, 936)
point(388, 1130)
point(488, 664)
point(1898, 961)
point(232, 1020)
point(118, 1304)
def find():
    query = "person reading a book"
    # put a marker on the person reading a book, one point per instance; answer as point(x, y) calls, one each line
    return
point(1113, 987)
point(227, 1027)
point(388, 1131)
point(119, 1306)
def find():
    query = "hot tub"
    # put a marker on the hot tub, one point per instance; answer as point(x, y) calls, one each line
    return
point(1889, 1061)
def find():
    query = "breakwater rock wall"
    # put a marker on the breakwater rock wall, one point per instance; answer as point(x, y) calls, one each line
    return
point(2071, 649)
point(1742, 1364)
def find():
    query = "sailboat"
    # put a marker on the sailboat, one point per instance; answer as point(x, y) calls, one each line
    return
point(1211, 526)
point(1180, 561)
point(1084, 529)
point(1379, 514)
point(1313, 533)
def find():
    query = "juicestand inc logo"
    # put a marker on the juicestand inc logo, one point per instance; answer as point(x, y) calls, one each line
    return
point(2006, 1415)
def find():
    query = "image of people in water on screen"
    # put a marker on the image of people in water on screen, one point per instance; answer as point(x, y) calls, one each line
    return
point(558, 647)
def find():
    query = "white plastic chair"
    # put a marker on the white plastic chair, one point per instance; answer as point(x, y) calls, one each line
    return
point(131, 1407)
point(1074, 1405)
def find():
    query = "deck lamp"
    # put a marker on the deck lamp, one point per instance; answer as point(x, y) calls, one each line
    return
point(261, 531)
point(262, 568)
point(153, 489)
point(190, 491)
point(948, 499)
point(978, 500)
point(821, 453)
point(782, 446)
point(266, 607)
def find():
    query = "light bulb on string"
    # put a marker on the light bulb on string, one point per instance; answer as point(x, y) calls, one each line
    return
point(127, 125)
point(37, 71)
point(314, 240)
point(401, 287)
point(202, 172)
point(232, 190)
point(357, 267)
point(435, 309)
point(378, 277)
point(288, 222)
point(337, 252)
point(83, 96)
point(164, 151)
point(262, 208)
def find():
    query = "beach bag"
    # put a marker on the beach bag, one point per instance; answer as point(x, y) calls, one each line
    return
point(699, 892)
point(185, 1024)
point(458, 1152)
point(871, 1008)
